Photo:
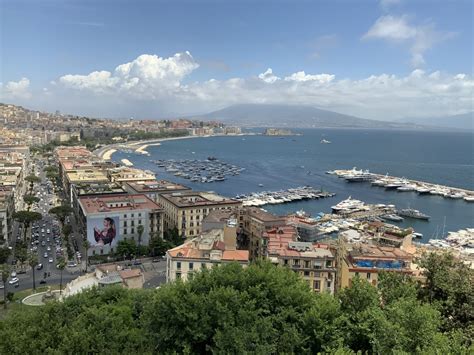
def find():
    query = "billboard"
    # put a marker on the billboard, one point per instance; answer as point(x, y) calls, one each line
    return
point(103, 232)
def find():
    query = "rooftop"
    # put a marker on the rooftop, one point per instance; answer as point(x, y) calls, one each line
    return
point(98, 188)
point(145, 186)
point(263, 216)
point(90, 175)
point(193, 198)
point(112, 203)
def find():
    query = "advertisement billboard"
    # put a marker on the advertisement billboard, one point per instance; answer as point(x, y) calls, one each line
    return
point(103, 232)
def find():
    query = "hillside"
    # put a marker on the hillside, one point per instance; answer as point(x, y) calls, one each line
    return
point(293, 116)
point(463, 121)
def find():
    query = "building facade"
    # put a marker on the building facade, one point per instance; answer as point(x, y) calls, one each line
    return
point(186, 210)
point(106, 220)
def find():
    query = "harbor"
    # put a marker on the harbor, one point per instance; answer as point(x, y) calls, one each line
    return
point(282, 196)
point(403, 184)
point(202, 171)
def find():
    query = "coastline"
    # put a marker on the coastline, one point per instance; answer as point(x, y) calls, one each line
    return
point(106, 152)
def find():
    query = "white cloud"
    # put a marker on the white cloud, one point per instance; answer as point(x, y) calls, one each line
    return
point(150, 85)
point(15, 89)
point(398, 29)
point(268, 76)
point(145, 77)
point(302, 76)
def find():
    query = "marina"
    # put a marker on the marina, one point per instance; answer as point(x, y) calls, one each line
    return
point(203, 171)
point(403, 184)
point(282, 196)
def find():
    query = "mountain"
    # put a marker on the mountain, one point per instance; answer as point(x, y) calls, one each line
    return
point(464, 121)
point(292, 116)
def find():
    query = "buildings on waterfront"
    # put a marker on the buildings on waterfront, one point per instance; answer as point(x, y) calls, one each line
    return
point(154, 188)
point(186, 210)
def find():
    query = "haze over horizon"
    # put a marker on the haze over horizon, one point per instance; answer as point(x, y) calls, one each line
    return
point(382, 60)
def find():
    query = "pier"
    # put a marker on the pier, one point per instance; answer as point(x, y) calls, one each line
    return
point(404, 184)
point(282, 196)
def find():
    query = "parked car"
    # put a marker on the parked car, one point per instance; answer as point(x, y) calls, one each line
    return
point(42, 282)
point(39, 267)
point(50, 260)
point(14, 280)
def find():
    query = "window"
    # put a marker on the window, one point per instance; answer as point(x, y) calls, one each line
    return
point(296, 262)
point(368, 276)
point(125, 231)
point(306, 273)
point(132, 223)
point(191, 232)
point(178, 265)
point(328, 263)
point(356, 274)
point(317, 285)
point(139, 215)
point(124, 216)
point(133, 230)
point(133, 215)
point(124, 223)
point(178, 275)
point(191, 224)
point(191, 266)
point(306, 264)
point(139, 221)
point(285, 261)
point(328, 285)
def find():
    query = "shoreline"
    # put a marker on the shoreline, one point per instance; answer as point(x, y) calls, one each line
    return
point(140, 146)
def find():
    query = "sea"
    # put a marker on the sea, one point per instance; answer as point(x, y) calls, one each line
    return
point(445, 158)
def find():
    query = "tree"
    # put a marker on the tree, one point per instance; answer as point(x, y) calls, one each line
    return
point(158, 246)
point(30, 199)
point(126, 248)
point(5, 271)
point(26, 218)
point(140, 230)
point(449, 287)
point(61, 265)
point(33, 262)
point(32, 179)
point(4, 255)
point(21, 254)
point(173, 236)
point(67, 230)
point(394, 286)
point(86, 244)
point(61, 212)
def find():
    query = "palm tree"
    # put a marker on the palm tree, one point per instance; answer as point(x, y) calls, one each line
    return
point(61, 266)
point(5, 270)
point(33, 261)
point(140, 230)
point(86, 244)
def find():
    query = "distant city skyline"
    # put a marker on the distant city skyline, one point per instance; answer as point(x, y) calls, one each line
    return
point(383, 60)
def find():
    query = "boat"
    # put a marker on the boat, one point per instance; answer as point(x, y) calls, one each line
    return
point(325, 141)
point(469, 198)
point(417, 235)
point(211, 158)
point(412, 213)
point(392, 217)
point(261, 185)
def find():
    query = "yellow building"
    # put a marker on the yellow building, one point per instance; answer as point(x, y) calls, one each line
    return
point(186, 210)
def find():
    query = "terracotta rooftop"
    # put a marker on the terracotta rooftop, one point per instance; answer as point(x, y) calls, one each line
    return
point(263, 216)
point(130, 273)
point(111, 203)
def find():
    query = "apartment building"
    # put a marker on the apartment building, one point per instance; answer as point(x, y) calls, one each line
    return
point(254, 222)
point(107, 219)
point(7, 207)
point(125, 174)
point(153, 188)
point(314, 262)
point(211, 248)
point(367, 261)
point(186, 210)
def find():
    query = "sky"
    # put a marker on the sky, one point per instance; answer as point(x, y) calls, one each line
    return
point(379, 59)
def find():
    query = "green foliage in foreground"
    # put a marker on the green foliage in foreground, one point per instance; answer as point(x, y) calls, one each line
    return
point(262, 309)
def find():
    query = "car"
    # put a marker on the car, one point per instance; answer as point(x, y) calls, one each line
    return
point(71, 264)
point(42, 282)
point(137, 262)
point(50, 260)
point(43, 243)
point(14, 280)
point(48, 248)
point(45, 255)
point(2, 286)
point(42, 230)
point(48, 231)
point(39, 267)
point(13, 274)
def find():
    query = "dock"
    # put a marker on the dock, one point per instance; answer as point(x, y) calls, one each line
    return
point(403, 184)
point(282, 196)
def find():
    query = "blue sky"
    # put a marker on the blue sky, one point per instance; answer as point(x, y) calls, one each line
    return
point(233, 42)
